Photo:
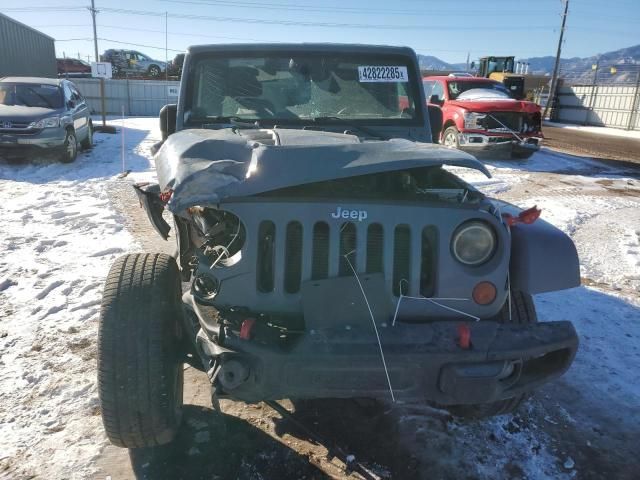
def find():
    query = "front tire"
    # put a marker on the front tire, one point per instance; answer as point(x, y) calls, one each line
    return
point(451, 138)
point(523, 311)
point(70, 151)
point(140, 368)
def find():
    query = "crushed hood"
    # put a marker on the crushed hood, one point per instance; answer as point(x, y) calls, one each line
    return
point(211, 166)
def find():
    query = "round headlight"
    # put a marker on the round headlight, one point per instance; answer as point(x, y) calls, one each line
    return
point(473, 243)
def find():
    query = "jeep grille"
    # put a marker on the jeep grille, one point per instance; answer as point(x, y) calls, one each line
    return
point(406, 246)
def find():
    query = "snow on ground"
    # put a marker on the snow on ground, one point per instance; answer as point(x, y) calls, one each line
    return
point(59, 236)
point(599, 208)
point(616, 132)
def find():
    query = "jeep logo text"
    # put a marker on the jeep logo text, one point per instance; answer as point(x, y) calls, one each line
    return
point(350, 214)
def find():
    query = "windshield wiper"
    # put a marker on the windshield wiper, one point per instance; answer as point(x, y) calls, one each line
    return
point(332, 121)
point(228, 119)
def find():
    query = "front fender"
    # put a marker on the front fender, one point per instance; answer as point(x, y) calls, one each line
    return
point(149, 197)
point(543, 259)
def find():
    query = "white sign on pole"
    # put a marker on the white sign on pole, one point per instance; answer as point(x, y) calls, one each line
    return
point(172, 90)
point(101, 69)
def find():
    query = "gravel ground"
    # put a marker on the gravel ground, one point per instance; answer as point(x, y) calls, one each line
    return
point(588, 144)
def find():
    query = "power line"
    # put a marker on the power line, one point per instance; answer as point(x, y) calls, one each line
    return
point(342, 9)
point(73, 39)
point(102, 39)
point(244, 39)
point(47, 8)
point(320, 24)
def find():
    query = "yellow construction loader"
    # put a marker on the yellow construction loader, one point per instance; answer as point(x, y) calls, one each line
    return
point(501, 69)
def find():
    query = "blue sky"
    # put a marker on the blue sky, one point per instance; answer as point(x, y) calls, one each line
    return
point(447, 29)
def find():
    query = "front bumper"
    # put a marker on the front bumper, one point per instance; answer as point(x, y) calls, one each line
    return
point(18, 144)
point(424, 362)
point(474, 142)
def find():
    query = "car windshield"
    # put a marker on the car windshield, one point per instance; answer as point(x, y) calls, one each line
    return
point(456, 88)
point(302, 87)
point(31, 95)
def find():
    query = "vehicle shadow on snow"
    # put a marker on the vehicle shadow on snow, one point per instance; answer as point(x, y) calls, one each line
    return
point(551, 161)
point(104, 160)
point(595, 427)
point(214, 446)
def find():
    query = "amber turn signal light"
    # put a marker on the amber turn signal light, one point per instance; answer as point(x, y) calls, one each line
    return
point(484, 293)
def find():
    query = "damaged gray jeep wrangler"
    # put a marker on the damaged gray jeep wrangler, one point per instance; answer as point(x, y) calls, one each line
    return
point(325, 249)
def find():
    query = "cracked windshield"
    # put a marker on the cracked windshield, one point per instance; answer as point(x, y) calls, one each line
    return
point(288, 88)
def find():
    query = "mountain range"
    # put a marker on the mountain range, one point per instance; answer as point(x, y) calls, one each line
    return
point(626, 62)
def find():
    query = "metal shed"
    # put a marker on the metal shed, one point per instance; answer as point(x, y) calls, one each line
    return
point(25, 51)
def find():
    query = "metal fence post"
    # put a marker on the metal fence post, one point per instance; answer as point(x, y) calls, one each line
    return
point(594, 86)
point(128, 98)
point(635, 104)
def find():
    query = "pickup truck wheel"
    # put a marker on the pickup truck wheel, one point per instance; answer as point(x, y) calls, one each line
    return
point(140, 367)
point(523, 311)
point(70, 148)
point(450, 138)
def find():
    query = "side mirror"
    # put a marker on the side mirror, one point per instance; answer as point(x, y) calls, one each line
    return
point(168, 115)
point(71, 104)
point(435, 121)
point(435, 99)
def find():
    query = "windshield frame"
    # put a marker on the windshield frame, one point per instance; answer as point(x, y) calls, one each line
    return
point(367, 55)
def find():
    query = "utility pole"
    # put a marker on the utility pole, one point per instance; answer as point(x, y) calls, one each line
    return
point(166, 46)
point(95, 46)
point(554, 78)
point(468, 54)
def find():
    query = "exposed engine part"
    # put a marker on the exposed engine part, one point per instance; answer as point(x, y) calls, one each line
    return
point(233, 373)
point(206, 286)
point(416, 184)
point(219, 234)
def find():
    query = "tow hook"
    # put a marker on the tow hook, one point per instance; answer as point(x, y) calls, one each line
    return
point(233, 373)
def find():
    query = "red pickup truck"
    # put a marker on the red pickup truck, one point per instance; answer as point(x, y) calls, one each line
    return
point(480, 116)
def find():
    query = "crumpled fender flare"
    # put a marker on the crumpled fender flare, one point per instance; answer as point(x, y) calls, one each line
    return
point(149, 196)
point(543, 259)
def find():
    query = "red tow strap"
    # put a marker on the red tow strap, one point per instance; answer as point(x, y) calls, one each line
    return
point(527, 216)
point(166, 196)
point(464, 336)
